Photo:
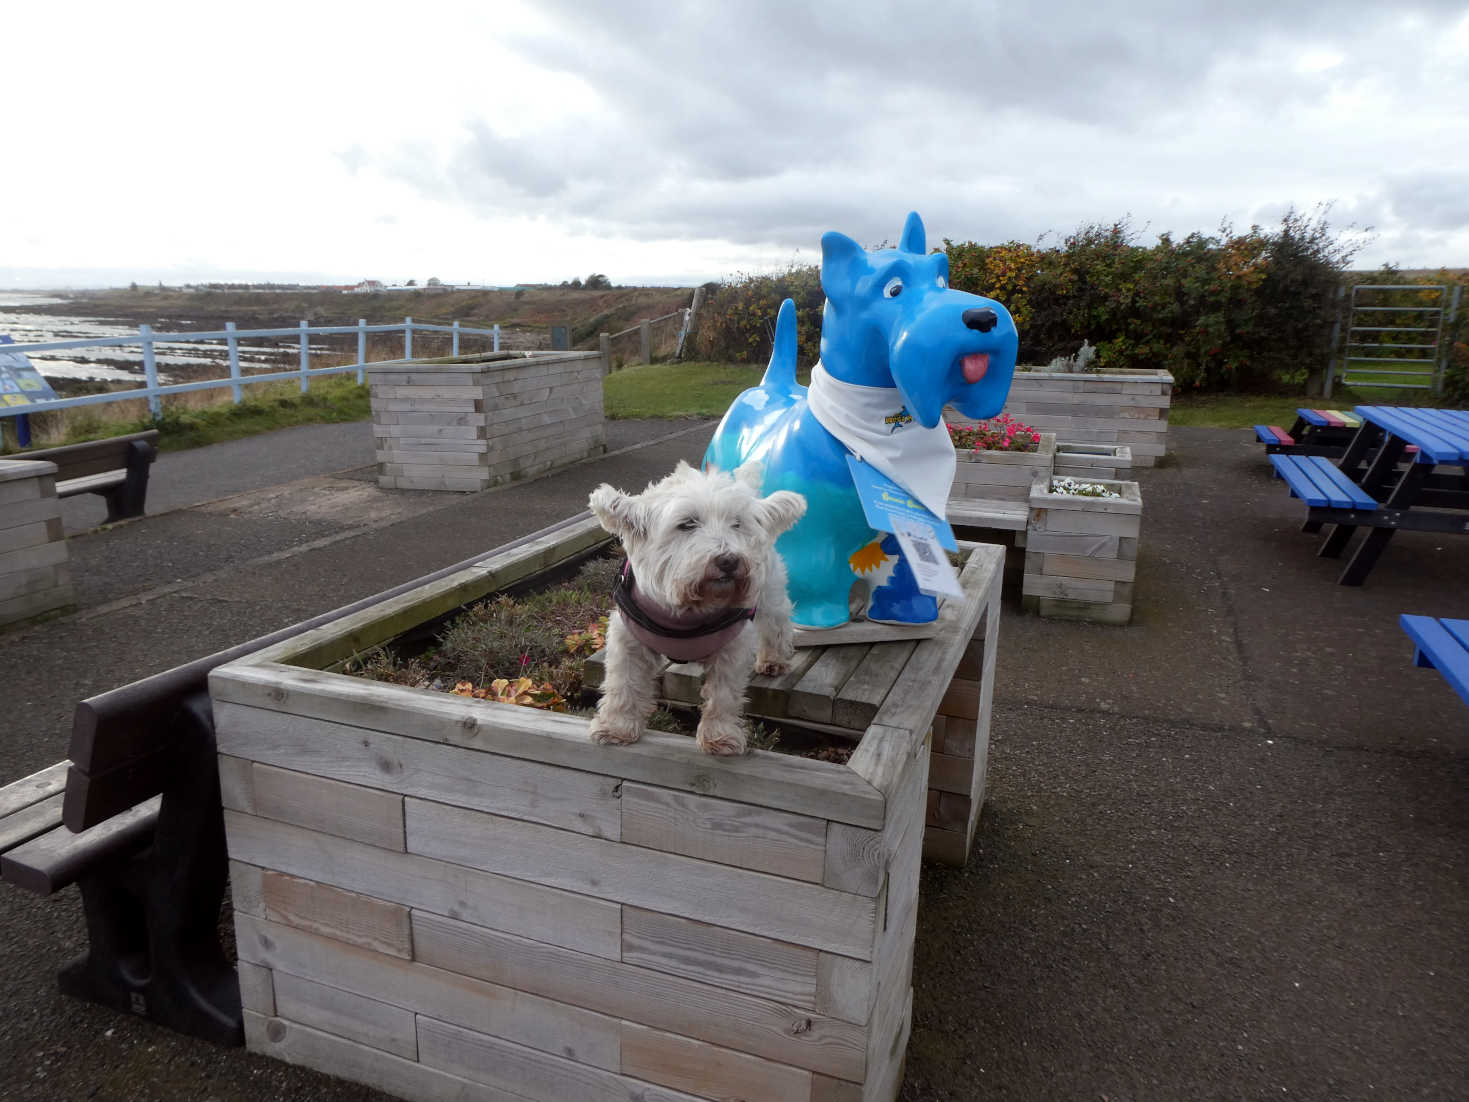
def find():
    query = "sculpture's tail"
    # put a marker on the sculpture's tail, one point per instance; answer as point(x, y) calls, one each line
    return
point(780, 376)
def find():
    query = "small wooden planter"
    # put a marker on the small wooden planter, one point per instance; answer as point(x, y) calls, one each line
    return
point(451, 898)
point(1119, 407)
point(1091, 462)
point(35, 576)
point(476, 422)
point(1081, 554)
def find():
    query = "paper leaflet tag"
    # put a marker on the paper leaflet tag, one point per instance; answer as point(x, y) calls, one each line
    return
point(884, 502)
point(931, 568)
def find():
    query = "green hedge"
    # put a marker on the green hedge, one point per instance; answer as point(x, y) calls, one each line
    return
point(1225, 311)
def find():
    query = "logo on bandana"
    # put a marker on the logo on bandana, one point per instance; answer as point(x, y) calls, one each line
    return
point(897, 420)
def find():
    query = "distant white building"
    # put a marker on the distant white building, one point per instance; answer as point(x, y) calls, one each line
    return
point(368, 287)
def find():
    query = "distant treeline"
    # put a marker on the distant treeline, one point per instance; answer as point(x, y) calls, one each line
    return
point(1225, 311)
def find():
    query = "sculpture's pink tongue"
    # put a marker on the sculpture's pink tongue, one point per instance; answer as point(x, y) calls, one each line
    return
point(974, 366)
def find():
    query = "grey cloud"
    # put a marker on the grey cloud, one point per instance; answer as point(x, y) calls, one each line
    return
point(1435, 200)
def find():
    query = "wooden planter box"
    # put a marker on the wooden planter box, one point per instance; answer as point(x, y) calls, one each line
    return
point(476, 422)
point(35, 577)
point(1093, 461)
point(452, 898)
point(1002, 476)
point(1081, 554)
point(1120, 407)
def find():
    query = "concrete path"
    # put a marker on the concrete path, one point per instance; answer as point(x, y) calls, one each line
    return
point(1223, 852)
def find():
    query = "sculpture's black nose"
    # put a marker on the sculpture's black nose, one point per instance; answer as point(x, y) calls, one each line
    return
point(982, 318)
point(727, 563)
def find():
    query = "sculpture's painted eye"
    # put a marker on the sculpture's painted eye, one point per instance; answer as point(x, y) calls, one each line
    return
point(688, 524)
point(940, 281)
point(893, 289)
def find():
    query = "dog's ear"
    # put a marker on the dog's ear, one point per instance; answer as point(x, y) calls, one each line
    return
point(914, 239)
point(781, 510)
point(751, 473)
point(622, 515)
point(842, 261)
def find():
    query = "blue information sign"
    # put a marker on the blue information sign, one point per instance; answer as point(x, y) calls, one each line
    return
point(884, 501)
point(20, 383)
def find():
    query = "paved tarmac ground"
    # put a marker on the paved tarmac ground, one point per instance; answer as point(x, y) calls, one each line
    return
point(1223, 852)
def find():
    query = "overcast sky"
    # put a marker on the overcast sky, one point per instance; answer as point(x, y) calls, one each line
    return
point(674, 142)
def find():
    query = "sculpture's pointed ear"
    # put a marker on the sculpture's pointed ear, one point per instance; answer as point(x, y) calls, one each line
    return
point(623, 516)
point(842, 262)
point(914, 239)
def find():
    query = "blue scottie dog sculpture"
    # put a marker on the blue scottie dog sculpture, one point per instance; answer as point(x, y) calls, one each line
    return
point(897, 345)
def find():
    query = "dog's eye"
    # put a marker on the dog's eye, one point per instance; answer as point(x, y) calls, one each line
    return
point(940, 281)
point(893, 289)
point(735, 524)
point(688, 525)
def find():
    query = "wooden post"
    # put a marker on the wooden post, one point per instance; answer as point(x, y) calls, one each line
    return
point(305, 363)
point(497, 337)
point(645, 340)
point(150, 372)
point(361, 349)
point(455, 351)
point(604, 341)
point(233, 344)
point(408, 338)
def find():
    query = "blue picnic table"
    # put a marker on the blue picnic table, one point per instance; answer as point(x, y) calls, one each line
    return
point(1381, 484)
point(1441, 645)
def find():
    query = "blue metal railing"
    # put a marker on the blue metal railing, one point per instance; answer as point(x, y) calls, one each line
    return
point(147, 340)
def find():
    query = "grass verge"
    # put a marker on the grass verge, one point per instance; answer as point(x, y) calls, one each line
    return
point(1240, 411)
point(267, 407)
point(679, 389)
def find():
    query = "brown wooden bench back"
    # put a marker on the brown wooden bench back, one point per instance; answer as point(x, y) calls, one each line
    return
point(93, 457)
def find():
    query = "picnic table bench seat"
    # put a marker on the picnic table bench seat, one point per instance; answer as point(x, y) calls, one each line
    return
point(1318, 482)
point(1441, 645)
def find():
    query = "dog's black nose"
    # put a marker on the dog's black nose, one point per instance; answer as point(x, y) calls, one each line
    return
point(727, 564)
point(982, 318)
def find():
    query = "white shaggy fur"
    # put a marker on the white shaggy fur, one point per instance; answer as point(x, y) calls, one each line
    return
point(700, 543)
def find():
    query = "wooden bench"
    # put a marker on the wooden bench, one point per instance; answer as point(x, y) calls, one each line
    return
point(1441, 645)
point(116, 468)
point(135, 820)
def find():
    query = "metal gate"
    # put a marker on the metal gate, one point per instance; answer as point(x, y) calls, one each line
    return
point(1395, 336)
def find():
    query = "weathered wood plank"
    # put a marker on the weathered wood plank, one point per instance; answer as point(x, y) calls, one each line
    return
point(311, 1048)
point(547, 914)
point(860, 696)
point(819, 789)
point(31, 821)
point(812, 696)
point(367, 1021)
point(859, 860)
point(708, 1070)
point(792, 1036)
point(744, 835)
point(236, 783)
point(772, 906)
point(257, 987)
point(336, 913)
point(980, 580)
point(537, 1075)
point(566, 798)
point(517, 1015)
point(720, 956)
point(845, 988)
point(332, 807)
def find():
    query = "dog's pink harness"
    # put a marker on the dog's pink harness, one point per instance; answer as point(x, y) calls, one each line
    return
point(683, 637)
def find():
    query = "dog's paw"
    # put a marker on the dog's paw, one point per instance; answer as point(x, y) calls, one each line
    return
point(771, 667)
point(723, 738)
point(606, 733)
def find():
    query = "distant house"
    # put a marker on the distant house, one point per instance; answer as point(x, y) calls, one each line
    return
point(368, 287)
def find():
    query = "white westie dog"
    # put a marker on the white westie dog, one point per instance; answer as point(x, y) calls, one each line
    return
point(701, 565)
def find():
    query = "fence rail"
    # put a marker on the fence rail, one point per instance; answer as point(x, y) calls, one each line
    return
point(147, 340)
